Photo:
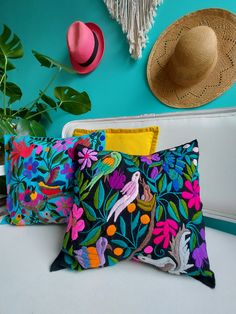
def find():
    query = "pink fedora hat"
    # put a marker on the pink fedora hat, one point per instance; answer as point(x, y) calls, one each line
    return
point(85, 43)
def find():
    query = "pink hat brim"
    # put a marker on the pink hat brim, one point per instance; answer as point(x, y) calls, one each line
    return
point(97, 59)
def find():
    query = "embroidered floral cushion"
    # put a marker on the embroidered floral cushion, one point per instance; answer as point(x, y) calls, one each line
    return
point(39, 176)
point(144, 208)
point(135, 141)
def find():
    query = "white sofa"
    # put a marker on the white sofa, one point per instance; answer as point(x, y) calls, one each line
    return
point(26, 253)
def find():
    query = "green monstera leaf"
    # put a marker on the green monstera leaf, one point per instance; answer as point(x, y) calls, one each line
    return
point(10, 47)
point(71, 100)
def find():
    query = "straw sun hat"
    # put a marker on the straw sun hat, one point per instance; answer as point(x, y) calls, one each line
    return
point(194, 59)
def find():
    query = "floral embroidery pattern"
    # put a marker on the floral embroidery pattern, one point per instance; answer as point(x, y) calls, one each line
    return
point(39, 179)
point(86, 157)
point(144, 208)
point(75, 223)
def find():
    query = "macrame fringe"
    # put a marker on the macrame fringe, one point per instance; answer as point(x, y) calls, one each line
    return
point(136, 18)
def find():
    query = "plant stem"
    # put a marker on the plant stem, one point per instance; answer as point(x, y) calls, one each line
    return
point(40, 112)
point(45, 89)
point(4, 86)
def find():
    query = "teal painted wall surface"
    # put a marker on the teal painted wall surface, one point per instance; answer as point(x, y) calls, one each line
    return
point(118, 86)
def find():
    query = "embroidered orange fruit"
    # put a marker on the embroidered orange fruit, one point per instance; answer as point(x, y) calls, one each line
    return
point(131, 208)
point(118, 251)
point(111, 230)
point(145, 219)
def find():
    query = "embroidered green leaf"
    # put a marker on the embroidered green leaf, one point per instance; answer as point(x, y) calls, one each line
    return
point(127, 253)
point(111, 260)
point(193, 241)
point(162, 184)
point(92, 236)
point(66, 238)
point(80, 179)
point(207, 273)
point(122, 226)
point(193, 167)
point(120, 243)
point(132, 169)
point(84, 195)
point(197, 218)
point(134, 223)
point(187, 177)
point(71, 250)
point(42, 169)
point(111, 201)
point(142, 231)
point(187, 158)
point(173, 212)
point(20, 169)
point(136, 161)
point(83, 187)
point(57, 158)
point(89, 212)
point(99, 196)
point(128, 162)
point(172, 174)
point(183, 208)
point(159, 212)
point(169, 187)
point(189, 170)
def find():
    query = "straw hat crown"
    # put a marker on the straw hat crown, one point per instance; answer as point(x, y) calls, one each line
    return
point(194, 57)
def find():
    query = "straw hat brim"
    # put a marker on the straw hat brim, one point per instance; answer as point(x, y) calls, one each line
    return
point(219, 80)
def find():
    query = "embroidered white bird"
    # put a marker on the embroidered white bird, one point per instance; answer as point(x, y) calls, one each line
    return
point(130, 192)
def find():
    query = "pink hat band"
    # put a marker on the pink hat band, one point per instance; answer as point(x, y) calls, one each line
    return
point(86, 45)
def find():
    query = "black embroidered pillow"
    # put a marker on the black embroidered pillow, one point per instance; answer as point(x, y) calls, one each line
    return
point(146, 208)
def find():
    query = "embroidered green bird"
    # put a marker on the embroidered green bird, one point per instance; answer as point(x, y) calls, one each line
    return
point(104, 167)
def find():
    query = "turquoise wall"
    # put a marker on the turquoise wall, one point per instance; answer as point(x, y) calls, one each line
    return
point(118, 86)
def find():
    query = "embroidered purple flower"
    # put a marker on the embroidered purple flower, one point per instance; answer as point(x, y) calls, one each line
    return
point(200, 255)
point(193, 194)
point(63, 144)
point(75, 223)
point(202, 234)
point(30, 167)
point(67, 170)
point(117, 180)
point(150, 158)
point(86, 157)
point(154, 173)
point(64, 205)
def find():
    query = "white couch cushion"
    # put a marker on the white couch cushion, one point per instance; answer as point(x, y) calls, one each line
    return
point(215, 131)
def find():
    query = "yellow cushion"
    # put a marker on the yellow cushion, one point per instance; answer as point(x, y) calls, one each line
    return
point(135, 141)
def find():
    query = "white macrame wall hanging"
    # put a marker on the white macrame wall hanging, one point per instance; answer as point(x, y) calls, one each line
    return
point(136, 18)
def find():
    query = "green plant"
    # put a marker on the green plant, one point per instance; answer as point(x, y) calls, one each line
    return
point(27, 120)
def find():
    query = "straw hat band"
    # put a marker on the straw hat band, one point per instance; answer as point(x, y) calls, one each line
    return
point(194, 59)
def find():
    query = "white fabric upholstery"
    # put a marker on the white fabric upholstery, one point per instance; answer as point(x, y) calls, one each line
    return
point(26, 253)
point(215, 131)
point(27, 286)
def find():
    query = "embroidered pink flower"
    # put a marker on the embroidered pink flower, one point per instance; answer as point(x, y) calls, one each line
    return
point(75, 223)
point(192, 195)
point(164, 230)
point(64, 205)
point(86, 157)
